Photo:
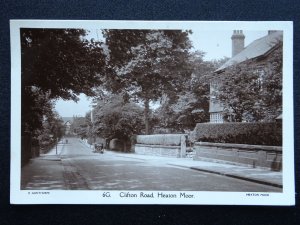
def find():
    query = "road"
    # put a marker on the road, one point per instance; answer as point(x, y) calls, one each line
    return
point(78, 168)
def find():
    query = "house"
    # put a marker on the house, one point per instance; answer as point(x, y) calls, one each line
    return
point(256, 53)
point(68, 128)
point(67, 123)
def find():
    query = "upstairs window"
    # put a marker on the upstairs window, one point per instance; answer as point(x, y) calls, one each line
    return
point(260, 71)
point(216, 118)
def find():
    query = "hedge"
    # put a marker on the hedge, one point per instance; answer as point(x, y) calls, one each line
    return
point(240, 133)
point(159, 139)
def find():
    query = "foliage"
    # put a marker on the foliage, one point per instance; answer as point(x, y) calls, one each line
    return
point(249, 93)
point(145, 64)
point(261, 133)
point(53, 130)
point(56, 63)
point(35, 105)
point(60, 62)
point(79, 126)
point(182, 114)
point(115, 118)
point(192, 105)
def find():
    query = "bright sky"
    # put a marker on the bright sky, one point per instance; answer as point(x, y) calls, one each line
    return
point(216, 44)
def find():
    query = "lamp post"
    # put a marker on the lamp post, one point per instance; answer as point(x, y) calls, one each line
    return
point(51, 136)
point(93, 105)
point(56, 136)
point(56, 146)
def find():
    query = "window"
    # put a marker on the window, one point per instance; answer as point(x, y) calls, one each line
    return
point(260, 71)
point(216, 118)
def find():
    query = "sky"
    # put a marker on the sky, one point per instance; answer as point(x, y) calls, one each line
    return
point(216, 45)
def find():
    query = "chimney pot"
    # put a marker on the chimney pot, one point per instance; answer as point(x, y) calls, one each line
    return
point(271, 31)
point(238, 42)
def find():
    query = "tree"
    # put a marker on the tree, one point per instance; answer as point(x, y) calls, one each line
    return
point(251, 94)
point(192, 104)
point(238, 92)
point(145, 64)
point(55, 63)
point(79, 126)
point(115, 118)
point(181, 115)
point(52, 130)
point(60, 61)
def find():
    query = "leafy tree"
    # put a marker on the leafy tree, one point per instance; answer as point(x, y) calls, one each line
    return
point(192, 105)
point(238, 91)
point(52, 130)
point(145, 64)
point(89, 126)
point(56, 63)
point(35, 105)
point(183, 114)
point(60, 61)
point(115, 118)
point(79, 126)
point(249, 93)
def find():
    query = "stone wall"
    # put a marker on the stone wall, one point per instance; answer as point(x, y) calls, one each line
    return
point(158, 150)
point(252, 155)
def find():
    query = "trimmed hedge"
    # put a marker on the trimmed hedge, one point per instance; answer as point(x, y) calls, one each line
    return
point(240, 133)
point(159, 139)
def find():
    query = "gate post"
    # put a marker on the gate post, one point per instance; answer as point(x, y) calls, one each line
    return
point(182, 146)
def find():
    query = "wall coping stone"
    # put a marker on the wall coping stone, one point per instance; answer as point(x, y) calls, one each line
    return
point(241, 146)
point(158, 146)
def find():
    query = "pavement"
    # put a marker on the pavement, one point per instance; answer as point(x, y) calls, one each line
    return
point(47, 169)
point(51, 159)
point(243, 172)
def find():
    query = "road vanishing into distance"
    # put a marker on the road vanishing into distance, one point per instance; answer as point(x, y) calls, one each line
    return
point(76, 167)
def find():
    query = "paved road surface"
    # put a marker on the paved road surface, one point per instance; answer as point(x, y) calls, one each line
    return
point(78, 168)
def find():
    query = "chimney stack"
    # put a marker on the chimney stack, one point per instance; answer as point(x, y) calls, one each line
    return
point(271, 31)
point(238, 42)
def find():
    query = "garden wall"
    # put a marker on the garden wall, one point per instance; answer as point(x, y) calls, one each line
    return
point(251, 155)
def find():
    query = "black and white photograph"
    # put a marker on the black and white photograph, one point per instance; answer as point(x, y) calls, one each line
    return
point(136, 112)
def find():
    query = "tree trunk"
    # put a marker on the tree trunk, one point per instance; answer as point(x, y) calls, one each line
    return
point(146, 116)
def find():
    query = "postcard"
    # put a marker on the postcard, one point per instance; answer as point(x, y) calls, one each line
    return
point(152, 112)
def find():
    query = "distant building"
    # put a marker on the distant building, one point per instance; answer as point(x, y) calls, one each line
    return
point(257, 53)
point(67, 123)
point(67, 128)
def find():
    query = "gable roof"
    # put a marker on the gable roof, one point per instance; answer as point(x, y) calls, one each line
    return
point(255, 49)
point(66, 119)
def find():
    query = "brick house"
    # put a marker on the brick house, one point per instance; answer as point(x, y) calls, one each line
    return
point(257, 53)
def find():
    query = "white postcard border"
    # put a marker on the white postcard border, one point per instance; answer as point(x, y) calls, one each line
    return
point(287, 197)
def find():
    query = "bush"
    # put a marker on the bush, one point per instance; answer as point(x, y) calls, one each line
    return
point(240, 133)
point(159, 139)
point(46, 145)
